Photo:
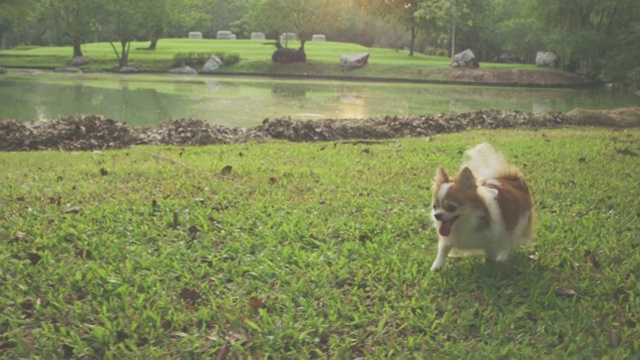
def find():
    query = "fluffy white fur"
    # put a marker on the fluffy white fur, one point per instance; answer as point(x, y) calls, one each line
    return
point(479, 227)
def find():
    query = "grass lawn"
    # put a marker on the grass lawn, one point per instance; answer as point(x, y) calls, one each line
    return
point(313, 250)
point(323, 58)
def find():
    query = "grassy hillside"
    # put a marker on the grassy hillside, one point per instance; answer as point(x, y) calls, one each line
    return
point(323, 58)
point(313, 250)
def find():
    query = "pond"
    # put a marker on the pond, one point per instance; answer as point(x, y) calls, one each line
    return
point(146, 99)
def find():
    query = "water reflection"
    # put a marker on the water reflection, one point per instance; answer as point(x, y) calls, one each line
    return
point(143, 100)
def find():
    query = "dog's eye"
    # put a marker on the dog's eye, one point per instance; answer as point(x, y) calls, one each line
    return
point(451, 208)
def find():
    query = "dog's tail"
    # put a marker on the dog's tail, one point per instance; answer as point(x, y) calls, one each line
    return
point(487, 163)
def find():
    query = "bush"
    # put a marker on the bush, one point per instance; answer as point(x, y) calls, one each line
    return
point(197, 59)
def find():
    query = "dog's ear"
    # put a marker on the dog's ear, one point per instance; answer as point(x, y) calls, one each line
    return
point(441, 176)
point(466, 180)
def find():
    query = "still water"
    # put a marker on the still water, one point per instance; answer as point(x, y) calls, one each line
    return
point(143, 100)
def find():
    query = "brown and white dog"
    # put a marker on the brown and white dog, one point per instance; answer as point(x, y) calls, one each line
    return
point(486, 209)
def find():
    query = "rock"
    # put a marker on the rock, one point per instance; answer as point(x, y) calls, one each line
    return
point(257, 36)
point(68, 69)
point(79, 61)
point(546, 59)
point(128, 70)
point(185, 70)
point(225, 35)
point(194, 35)
point(352, 62)
point(465, 59)
point(3, 70)
point(319, 37)
point(212, 64)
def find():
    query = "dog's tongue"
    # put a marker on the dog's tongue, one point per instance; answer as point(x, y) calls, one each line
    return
point(445, 228)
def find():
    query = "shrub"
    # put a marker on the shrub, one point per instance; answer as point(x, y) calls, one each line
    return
point(197, 59)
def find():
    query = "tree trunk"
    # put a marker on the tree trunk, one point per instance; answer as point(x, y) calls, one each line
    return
point(453, 30)
point(412, 44)
point(153, 44)
point(77, 49)
point(154, 39)
point(124, 59)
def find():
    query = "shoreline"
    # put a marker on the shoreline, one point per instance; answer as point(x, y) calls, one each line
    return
point(470, 77)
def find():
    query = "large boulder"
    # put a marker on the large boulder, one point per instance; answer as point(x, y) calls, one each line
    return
point(212, 64)
point(465, 59)
point(79, 61)
point(128, 70)
point(352, 62)
point(185, 70)
point(546, 59)
point(68, 69)
point(194, 35)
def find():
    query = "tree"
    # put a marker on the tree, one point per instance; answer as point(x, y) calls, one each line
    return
point(123, 20)
point(303, 17)
point(77, 18)
point(161, 14)
point(405, 13)
point(591, 34)
point(447, 14)
point(15, 14)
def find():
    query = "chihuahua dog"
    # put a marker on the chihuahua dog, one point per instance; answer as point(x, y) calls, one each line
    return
point(486, 209)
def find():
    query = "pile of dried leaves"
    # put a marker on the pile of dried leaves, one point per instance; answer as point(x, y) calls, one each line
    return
point(96, 132)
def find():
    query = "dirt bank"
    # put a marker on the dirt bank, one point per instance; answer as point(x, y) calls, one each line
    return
point(96, 132)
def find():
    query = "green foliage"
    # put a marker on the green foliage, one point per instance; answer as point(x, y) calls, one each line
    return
point(319, 249)
point(196, 59)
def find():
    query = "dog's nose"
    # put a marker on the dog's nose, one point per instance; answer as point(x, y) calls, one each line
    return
point(438, 216)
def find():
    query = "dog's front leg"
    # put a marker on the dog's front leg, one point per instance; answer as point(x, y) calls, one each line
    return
point(443, 251)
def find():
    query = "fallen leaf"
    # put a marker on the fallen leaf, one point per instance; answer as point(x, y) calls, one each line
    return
point(193, 232)
point(206, 261)
point(626, 151)
point(104, 172)
point(534, 257)
point(273, 180)
point(591, 259)
point(223, 352)
point(614, 338)
point(241, 154)
point(20, 235)
point(226, 170)
point(176, 219)
point(83, 254)
point(565, 292)
point(190, 296)
point(256, 303)
point(582, 160)
point(67, 351)
point(34, 258)
point(72, 210)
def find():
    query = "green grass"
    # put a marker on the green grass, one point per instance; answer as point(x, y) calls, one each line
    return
point(166, 253)
point(323, 58)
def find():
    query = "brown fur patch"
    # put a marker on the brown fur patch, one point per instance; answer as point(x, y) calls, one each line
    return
point(514, 200)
